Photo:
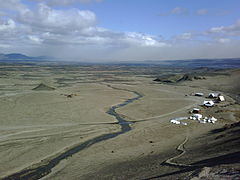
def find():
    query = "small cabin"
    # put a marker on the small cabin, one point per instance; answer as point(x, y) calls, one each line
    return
point(196, 110)
point(198, 94)
point(213, 95)
point(221, 98)
point(175, 121)
point(213, 119)
point(208, 103)
point(196, 117)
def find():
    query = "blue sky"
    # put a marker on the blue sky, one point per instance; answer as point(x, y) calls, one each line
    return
point(112, 30)
point(145, 15)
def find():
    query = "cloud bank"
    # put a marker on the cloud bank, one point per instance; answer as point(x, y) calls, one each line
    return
point(41, 29)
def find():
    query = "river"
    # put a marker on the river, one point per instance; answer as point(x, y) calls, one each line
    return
point(45, 169)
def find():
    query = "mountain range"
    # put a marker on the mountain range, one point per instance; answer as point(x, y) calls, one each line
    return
point(192, 63)
point(22, 57)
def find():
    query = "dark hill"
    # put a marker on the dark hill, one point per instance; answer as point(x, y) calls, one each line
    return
point(43, 87)
point(175, 78)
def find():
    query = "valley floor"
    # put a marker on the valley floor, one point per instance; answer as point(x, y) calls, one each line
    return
point(38, 126)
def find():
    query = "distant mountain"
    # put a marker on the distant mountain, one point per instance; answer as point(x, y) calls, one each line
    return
point(192, 63)
point(180, 63)
point(17, 56)
point(21, 57)
point(200, 63)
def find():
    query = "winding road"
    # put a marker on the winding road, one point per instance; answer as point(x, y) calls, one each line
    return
point(181, 149)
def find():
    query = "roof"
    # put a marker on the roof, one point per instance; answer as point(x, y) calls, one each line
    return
point(213, 119)
point(213, 94)
point(208, 103)
point(197, 115)
point(221, 98)
point(199, 94)
point(174, 121)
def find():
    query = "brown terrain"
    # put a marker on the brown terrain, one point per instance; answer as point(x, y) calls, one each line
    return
point(68, 123)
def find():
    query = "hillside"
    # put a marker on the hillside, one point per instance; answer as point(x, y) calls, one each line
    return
point(43, 87)
point(21, 57)
point(175, 78)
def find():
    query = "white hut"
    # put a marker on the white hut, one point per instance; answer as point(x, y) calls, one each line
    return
point(208, 103)
point(183, 123)
point(203, 121)
point(213, 95)
point(195, 110)
point(198, 94)
point(213, 119)
point(175, 121)
point(196, 117)
point(221, 98)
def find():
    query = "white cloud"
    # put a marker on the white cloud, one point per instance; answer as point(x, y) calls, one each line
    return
point(232, 30)
point(223, 40)
point(11, 4)
point(47, 19)
point(176, 11)
point(143, 40)
point(65, 2)
point(35, 39)
point(179, 11)
point(43, 24)
point(7, 25)
point(185, 36)
point(44, 28)
point(202, 12)
point(218, 34)
point(51, 26)
point(219, 29)
point(4, 46)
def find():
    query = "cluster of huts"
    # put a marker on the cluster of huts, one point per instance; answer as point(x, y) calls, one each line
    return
point(196, 112)
point(199, 118)
point(217, 97)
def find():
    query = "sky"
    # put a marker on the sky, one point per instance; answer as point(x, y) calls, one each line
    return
point(121, 30)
